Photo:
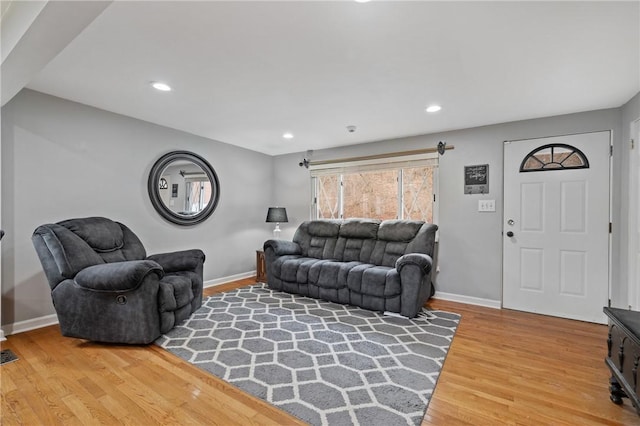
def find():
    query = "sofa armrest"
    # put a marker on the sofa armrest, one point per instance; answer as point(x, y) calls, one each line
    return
point(117, 276)
point(177, 261)
point(282, 247)
point(423, 261)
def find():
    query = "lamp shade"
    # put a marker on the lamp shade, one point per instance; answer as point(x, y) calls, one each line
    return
point(277, 214)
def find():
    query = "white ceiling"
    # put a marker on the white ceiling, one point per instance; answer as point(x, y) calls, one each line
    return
point(245, 72)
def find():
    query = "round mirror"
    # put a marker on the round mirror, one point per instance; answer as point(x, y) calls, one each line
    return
point(183, 188)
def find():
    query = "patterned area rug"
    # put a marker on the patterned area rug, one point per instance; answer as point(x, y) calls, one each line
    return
point(325, 363)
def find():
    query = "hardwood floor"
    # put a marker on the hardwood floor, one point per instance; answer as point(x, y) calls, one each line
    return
point(504, 367)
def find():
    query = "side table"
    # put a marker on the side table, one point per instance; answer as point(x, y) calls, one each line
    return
point(261, 267)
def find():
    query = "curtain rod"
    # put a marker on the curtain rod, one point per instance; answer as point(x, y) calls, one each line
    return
point(308, 163)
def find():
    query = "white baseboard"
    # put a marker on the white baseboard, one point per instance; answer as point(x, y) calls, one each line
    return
point(32, 324)
point(470, 300)
point(224, 280)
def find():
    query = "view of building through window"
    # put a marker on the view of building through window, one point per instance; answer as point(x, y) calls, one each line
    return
point(406, 193)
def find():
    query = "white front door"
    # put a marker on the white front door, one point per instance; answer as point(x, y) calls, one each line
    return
point(556, 226)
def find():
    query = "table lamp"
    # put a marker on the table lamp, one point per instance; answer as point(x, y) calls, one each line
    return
point(277, 215)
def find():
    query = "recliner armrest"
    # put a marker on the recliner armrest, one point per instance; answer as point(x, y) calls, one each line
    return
point(423, 261)
point(177, 261)
point(117, 276)
point(282, 247)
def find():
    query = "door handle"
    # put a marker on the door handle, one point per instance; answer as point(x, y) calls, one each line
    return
point(510, 234)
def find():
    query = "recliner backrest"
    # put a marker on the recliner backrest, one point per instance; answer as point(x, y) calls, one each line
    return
point(67, 247)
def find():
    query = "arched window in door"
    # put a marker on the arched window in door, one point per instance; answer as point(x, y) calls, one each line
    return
point(554, 157)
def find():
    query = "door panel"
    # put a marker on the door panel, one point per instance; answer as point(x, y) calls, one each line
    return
point(573, 196)
point(557, 260)
point(532, 206)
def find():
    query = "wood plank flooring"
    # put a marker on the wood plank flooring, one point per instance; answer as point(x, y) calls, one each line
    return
point(504, 367)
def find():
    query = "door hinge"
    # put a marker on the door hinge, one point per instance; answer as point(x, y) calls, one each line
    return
point(610, 150)
point(632, 144)
point(610, 227)
point(609, 303)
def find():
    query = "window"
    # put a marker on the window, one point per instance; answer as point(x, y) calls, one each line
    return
point(198, 194)
point(554, 157)
point(372, 194)
point(401, 190)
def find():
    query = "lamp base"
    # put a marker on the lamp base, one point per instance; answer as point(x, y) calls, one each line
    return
point(276, 231)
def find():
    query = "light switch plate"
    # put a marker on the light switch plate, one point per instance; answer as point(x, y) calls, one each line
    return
point(486, 205)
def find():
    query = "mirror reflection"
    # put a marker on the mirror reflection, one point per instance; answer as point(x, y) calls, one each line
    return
point(183, 188)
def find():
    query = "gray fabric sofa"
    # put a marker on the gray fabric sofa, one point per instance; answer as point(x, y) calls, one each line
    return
point(382, 266)
point(105, 288)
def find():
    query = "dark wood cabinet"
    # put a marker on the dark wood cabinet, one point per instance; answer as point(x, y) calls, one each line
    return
point(623, 355)
point(261, 267)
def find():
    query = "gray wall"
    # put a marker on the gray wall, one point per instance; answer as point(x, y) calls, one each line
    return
point(61, 159)
point(470, 256)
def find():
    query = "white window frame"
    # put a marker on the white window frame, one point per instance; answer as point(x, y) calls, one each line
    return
point(379, 164)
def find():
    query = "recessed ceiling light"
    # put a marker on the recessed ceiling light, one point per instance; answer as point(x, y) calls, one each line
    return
point(161, 86)
point(363, 1)
point(434, 108)
point(288, 135)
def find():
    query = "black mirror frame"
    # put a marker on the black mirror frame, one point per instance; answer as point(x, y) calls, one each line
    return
point(154, 191)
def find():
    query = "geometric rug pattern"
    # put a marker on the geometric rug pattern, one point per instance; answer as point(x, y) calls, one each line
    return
point(325, 363)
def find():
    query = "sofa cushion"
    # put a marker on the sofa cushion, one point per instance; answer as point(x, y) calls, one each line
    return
point(322, 228)
point(399, 230)
point(294, 268)
point(356, 241)
point(330, 274)
point(378, 281)
point(392, 252)
point(359, 228)
point(321, 247)
point(353, 249)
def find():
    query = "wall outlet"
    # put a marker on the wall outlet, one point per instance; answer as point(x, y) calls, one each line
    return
point(486, 205)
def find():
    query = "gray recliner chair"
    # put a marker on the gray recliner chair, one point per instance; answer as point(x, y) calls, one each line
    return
point(105, 288)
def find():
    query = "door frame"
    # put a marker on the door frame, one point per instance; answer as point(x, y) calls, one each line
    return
point(610, 242)
point(633, 244)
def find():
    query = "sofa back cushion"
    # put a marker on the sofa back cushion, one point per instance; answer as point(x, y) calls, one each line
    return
point(317, 238)
point(356, 240)
point(365, 240)
point(398, 237)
